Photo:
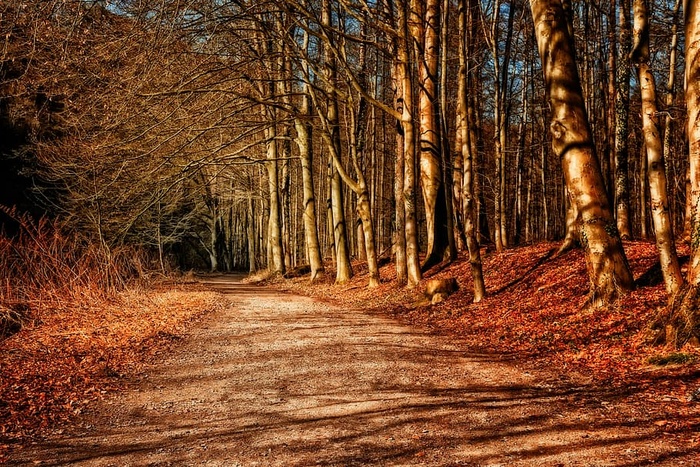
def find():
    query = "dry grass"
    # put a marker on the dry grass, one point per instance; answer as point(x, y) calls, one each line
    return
point(75, 318)
point(44, 268)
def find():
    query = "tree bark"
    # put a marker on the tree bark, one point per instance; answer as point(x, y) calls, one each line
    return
point(399, 208)
point(607, 265)
point(340, 235)
point(670, 97)
point(251, 235)
point(275, 249)
point(409, 150)
point(425, 20)
point(467, 159)
point(445, 153)
point(622, 100)
point(655, 157)
point(681, 322)
point(305, 144)
point(692, 98)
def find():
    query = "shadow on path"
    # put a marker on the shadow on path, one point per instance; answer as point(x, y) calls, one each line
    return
point(278, 379)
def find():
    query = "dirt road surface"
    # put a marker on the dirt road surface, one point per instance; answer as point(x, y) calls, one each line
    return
point(281, 380)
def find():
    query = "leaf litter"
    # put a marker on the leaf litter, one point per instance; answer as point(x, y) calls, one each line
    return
point(535, 312)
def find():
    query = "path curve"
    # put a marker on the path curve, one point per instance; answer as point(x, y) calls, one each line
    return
point(282, 380)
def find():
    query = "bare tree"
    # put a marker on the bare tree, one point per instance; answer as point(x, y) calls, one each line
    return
point(572, 141)
point(655, 157)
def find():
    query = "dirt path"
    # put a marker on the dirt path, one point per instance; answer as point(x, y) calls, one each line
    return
point(281, 380)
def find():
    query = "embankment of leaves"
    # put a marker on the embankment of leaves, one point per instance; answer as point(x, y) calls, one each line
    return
point(75, 317)
point(535, 310)
point(56, 367)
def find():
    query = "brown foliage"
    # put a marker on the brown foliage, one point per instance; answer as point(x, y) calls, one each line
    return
point(43, 267)
point(535, 310)
point(79, 317)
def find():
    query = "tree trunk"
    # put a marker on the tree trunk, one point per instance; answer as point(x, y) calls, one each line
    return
point(275, 252)
point(468, 168)
point(607, 265)
point(251, 235)
point(304, 142)
point(342, 250)
point(669, 101)
point(409, 151)
point(692, 98)
point(399, 207)
point(681, 323)
point(622, 102)
point(446, 153)
point(655, 157)
point(425, 32)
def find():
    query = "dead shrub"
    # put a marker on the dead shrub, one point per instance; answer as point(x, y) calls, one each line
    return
point(44, 267)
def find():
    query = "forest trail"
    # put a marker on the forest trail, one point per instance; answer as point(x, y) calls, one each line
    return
point(283, 380)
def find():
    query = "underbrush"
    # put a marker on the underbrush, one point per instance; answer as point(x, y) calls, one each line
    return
point(43, 268)
point(75, 318)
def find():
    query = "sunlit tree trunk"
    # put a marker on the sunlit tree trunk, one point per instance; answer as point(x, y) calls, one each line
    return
point(409, 150)
point(655, 157)
point(305, 144)
point(467, 160)
point(400, 208)
point(425, 18)
point(342, 250)
point(607, 265)
point(275, 252)
point(681, 323)
point(692, 98)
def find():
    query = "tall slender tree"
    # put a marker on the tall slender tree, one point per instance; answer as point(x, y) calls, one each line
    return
point(425, 30)
point(572, 141)
point(654, 149)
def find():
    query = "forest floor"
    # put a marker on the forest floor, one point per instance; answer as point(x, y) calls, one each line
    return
point(377, 377)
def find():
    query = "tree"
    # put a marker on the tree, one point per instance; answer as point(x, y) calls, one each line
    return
point(622, 102)
point(501, 116)
point(407, 128)
point(342, 253)
point(572, 141)
point(655, 157)
point(681, 322)
point(425, 27)
point(304, 141)
point(466, 152)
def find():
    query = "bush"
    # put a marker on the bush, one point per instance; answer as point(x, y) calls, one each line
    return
point(44, 266)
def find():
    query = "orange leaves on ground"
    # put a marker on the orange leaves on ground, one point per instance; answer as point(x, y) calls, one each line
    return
point(56, 367)
point(535, 308)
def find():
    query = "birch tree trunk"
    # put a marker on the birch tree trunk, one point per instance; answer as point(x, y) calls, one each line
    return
point(655, 157)
point(572, 141)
